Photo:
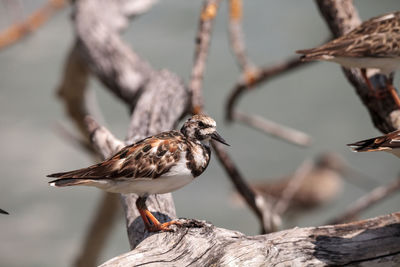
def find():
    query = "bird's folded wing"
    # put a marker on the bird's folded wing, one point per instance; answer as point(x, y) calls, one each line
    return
point(148, 158)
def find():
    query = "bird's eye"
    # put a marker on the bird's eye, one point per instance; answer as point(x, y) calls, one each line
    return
point(201, 124)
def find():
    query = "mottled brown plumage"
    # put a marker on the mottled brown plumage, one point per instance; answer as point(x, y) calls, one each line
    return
point(376, 37)
point(137, 161)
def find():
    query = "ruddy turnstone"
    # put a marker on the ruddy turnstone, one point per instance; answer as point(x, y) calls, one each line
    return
point(156, 165)
point(373, 44)
point(389, 142)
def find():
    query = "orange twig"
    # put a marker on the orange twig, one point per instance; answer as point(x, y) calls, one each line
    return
point(33, 22)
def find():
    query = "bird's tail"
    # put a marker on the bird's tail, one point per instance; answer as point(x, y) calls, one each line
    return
point(313, 54)
point(70, 182)
point(365, 145)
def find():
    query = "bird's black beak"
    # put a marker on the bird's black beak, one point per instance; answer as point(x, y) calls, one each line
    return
point(3, 211)
point(218, 138)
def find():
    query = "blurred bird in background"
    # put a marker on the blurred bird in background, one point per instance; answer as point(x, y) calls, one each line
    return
point(321, 184)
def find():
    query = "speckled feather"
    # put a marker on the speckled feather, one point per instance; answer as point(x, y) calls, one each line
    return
point(148, 158)
point(376, 37)
point(386, 142)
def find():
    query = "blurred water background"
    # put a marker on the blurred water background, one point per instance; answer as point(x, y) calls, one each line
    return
point(46, 226)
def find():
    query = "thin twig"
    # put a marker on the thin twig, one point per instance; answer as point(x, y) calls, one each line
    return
point(237, 37)
point(258, 205)
point(261, 75)
point(272, 128)
point(208, 13)
point(292, 187)
point(367, 201)
point(19, 30)
point(203, 38)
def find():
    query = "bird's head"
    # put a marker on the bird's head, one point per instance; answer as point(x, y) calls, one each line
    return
point(202, 128)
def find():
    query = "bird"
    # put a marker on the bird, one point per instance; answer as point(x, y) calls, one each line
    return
point(389, 143)
point(3, 212)
point(321, 184)
point(373, 44)
point(157, 164)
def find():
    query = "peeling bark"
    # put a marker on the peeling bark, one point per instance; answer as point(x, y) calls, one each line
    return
point(374, 241)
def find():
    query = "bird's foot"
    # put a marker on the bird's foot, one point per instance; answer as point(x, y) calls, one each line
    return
point(164, 227)
point(378, 94)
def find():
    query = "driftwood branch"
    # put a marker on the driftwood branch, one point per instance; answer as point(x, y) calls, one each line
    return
point(374, 241)
point(341, 16)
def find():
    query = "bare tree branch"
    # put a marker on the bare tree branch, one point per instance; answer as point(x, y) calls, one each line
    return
point(261, 75)
point(208, 13)
point(22, 29)
point(367, 243)
point(290, 135)
point(237, 39)
point(292, 187)
point(367, 201)
point(269, 222)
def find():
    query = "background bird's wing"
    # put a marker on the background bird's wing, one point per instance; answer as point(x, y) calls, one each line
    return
point(361, 42)
point(148, 158)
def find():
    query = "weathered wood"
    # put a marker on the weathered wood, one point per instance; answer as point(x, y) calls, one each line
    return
point(373, 241)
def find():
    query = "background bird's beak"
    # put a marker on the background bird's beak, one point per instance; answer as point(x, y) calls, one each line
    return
point(218, 138)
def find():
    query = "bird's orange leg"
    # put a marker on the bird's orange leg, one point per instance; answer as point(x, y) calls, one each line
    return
point(393, 92)
point(144, 218)
point(157, 226)
point(148, 217)
point(369, 84)
point(380, 94)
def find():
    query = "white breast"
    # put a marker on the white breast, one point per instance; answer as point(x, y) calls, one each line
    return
point(385, 65)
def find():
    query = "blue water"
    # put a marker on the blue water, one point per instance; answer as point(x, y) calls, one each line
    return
point(46, 225)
